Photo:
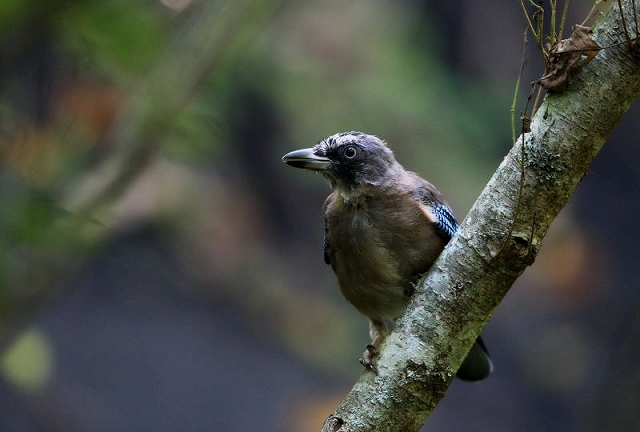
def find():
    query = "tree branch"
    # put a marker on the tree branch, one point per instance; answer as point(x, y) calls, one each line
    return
point(499, 238)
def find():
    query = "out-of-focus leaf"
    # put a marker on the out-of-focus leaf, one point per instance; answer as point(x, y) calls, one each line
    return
point(10, 10)
point(29, 216)
point(28, 363)
point(191, 136)
point(120, 38)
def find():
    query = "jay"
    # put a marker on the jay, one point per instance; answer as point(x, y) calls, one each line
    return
point(384, 227)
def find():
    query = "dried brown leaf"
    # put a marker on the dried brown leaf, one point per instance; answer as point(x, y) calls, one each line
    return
point(567, 57)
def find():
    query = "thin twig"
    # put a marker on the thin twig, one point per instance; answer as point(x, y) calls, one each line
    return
point(553, 36)
point(563, 19)
point(529, 23)
point(593, 10)
point(523, 62)
point(624, 21)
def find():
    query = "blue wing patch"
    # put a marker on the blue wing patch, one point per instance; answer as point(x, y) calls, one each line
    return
point(446, 222)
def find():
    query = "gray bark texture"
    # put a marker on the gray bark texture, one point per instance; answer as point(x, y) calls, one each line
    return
point(498, 239)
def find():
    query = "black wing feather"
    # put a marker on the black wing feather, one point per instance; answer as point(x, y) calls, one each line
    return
point(325, 243)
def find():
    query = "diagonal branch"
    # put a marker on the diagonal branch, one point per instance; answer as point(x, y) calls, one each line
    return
point(499, 238)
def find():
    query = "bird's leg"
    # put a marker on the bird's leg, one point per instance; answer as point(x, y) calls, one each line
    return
point(378, 330)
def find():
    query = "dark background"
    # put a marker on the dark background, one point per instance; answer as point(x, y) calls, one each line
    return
point(196, 298)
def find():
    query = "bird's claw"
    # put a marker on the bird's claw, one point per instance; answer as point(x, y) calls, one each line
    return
point(367, 358)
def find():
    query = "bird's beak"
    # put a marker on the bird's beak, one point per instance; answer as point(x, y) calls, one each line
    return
point(307, 159)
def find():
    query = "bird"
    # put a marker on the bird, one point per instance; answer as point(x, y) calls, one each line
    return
point(384, 226)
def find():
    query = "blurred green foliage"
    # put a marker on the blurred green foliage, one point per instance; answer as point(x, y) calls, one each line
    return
point(29, 362)
point(121, 85)
point(119, 39)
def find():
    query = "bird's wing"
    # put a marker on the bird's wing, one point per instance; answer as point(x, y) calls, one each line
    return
point(445, 222)
point(325, 242)
point(436, 210)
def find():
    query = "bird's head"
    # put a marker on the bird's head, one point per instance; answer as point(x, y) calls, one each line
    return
point(349, 160)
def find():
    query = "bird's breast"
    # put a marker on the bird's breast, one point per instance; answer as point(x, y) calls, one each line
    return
point(366, 271)
point(377, 254)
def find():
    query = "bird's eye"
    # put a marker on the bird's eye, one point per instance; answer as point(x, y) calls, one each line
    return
point(350, 152)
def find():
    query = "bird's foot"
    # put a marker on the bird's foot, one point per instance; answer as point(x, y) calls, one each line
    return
point(367, 358)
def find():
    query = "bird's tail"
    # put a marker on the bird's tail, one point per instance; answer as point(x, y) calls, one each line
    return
point(477, 365)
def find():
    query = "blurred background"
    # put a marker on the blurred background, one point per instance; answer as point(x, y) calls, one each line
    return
point(161, 269)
